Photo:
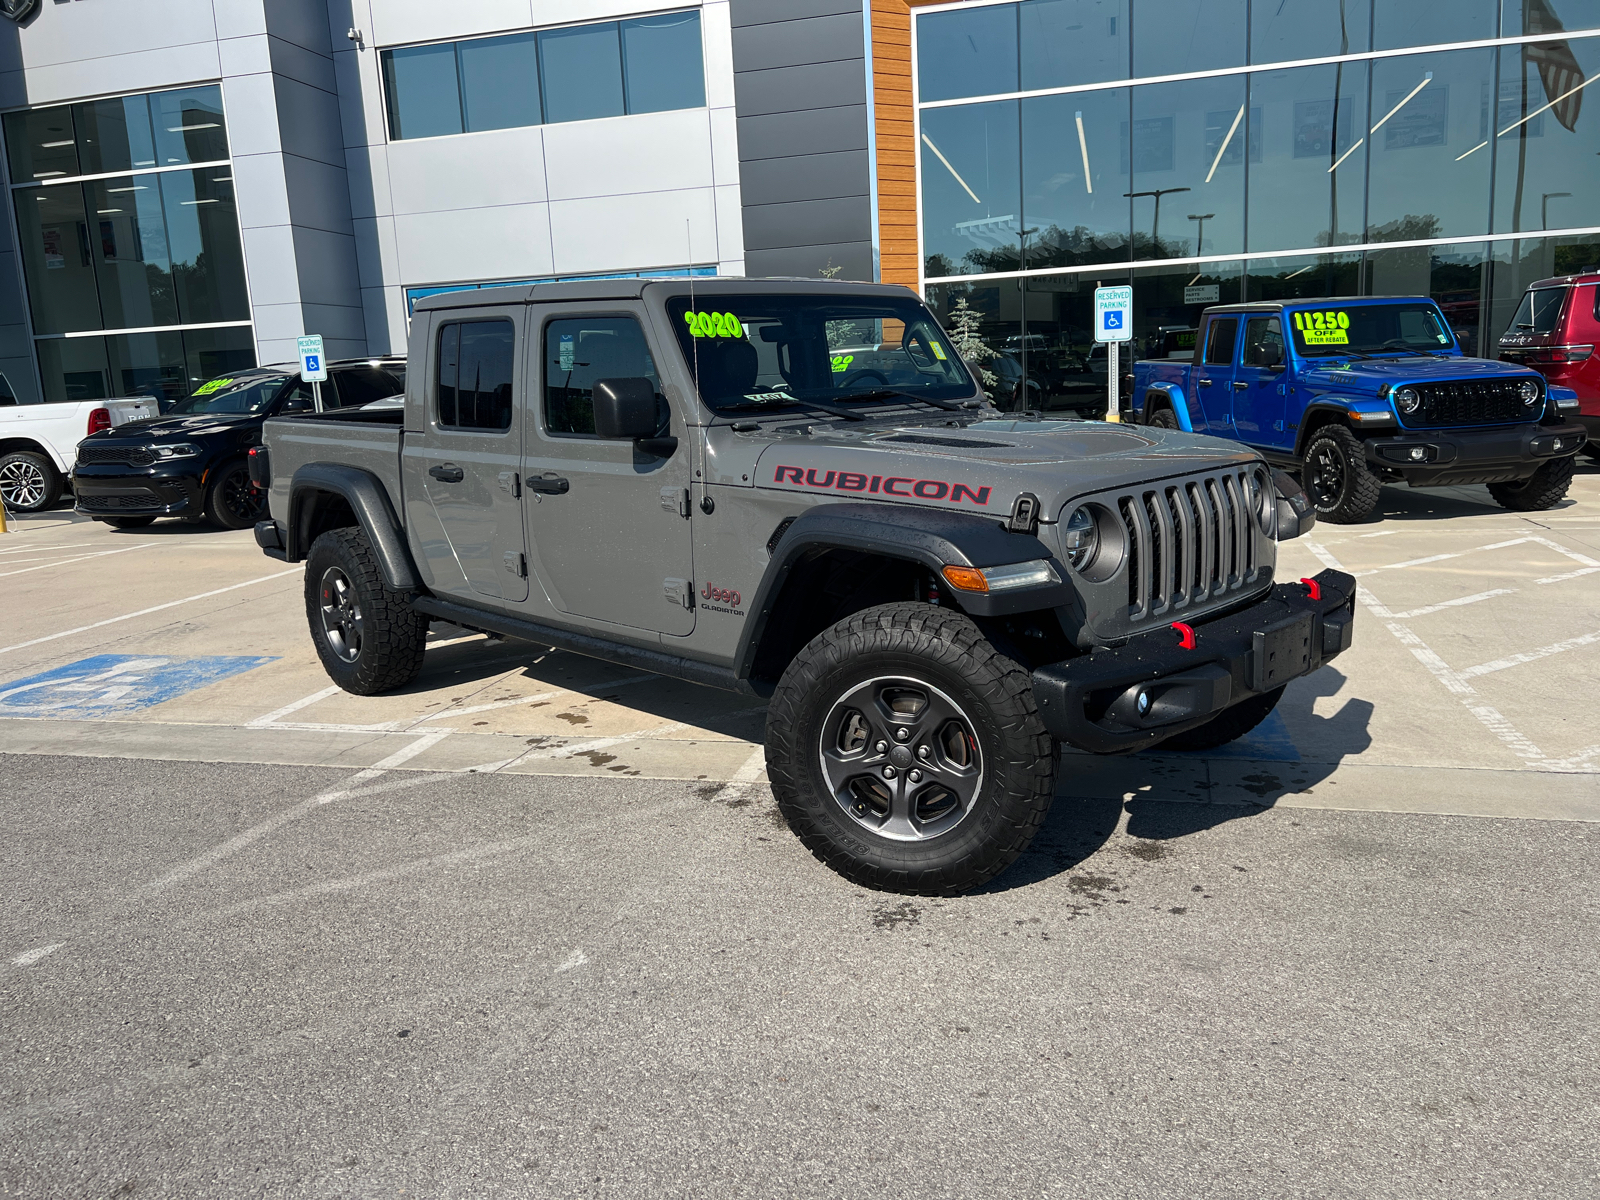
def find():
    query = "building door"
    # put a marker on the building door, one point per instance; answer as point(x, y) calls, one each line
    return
point(610, 527)
point(461, 485)
point(1258, 399)
point(1213, 377)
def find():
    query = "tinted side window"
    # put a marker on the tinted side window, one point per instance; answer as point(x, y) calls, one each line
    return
point(474, 377)
point(576, 353)
point(1219, 341)
point(1263, 342)
point(360, 385)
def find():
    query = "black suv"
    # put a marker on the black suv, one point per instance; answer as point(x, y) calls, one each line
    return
point(191, 463)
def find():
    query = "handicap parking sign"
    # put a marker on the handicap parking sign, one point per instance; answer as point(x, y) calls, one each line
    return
point(1113, 311)
point(110, 685)
point(313, 361)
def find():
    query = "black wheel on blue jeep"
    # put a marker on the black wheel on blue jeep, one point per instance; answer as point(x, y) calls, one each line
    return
point(1162, 418)
point(1337, 478)
point(1545, 488)
point(906, 752)
point(367, 635)
point(1229, 725)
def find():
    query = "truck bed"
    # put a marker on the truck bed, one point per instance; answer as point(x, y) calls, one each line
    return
point(367, 439)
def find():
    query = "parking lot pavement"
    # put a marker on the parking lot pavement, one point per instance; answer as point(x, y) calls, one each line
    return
point(259, 937)
point(1478, 635)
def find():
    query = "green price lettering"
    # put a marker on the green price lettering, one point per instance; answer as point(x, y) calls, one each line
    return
point(714, 325)
point(216, 385)
point(841, 362)
point(1323, 328)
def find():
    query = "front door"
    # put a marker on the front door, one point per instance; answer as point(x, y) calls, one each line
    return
point(1213, 377)
point(610, 527)
point(461, 469)
point(1258, 390)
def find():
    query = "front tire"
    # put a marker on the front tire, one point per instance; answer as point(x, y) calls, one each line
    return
point(1162, 418)
point(1545, 488)
point(367, 635)
point(29, 482)
point(233, 501)
point(1337, 478)
point(907, 753)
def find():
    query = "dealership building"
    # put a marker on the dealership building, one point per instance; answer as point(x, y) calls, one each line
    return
point(195, 183)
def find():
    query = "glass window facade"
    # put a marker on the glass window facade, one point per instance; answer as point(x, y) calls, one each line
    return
point(127, 223)
point(1378, 172)
point(574, 73)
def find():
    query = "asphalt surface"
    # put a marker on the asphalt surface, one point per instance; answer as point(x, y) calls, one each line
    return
point(457, 986)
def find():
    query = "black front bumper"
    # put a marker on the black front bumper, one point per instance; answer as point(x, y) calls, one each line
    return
point(160, 491)
point(1118, 701)
point(1473, 455)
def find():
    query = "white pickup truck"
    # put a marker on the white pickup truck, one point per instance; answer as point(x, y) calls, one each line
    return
point(39, 442)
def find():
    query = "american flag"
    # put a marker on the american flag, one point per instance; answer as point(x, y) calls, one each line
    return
point(1558, 69)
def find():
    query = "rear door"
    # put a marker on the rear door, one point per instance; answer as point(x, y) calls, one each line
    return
point(610, 527)
point(1213, 374)
point(1258, 391)
point(462, 467)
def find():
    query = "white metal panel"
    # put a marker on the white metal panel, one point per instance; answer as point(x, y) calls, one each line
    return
point(652, 152)
point(468, 170)
point(511, 241)
point(395, 21)
point(615, 233)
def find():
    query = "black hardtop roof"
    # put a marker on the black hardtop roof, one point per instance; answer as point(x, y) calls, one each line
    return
point(634, 289)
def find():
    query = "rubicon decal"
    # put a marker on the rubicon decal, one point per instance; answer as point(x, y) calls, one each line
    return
point(901, 486)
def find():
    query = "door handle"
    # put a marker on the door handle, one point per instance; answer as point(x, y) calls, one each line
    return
point(549, 483)
point(447, 473)
point(1205, 383)
point(1240, 387)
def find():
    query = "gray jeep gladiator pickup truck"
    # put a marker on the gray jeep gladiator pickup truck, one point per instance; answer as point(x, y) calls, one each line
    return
point(794, 489)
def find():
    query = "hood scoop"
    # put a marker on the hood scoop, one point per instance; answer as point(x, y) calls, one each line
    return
point(924, 439)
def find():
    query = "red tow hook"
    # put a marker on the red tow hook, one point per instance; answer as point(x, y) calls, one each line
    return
point(1185, 635)
point(1313, 587)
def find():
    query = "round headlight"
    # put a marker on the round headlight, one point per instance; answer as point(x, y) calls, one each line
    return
point(1528, 390)
point(1259, 493)
point(1407, 400)
point(1082, 539)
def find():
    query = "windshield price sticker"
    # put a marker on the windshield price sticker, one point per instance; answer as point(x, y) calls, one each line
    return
point(938, 350)
point(216, 385)
point(714, 325)
point(1323, 328)
point(568, 352)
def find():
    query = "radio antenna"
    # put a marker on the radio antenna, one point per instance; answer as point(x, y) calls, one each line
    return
point(694, 314)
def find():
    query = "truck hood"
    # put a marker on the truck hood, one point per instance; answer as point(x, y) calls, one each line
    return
point(984, 465)
point(1371, 374)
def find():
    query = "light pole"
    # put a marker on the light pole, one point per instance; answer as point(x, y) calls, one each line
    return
point(1544, 208)
point(1155, 226)
point(1200, 231)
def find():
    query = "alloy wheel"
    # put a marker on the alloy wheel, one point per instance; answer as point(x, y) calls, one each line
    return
point(1327, 476)
point(342, 620)
point(901, 759)
point(23, 484)
point(241, 498)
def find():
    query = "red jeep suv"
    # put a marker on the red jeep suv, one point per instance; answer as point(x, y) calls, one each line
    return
point(1556, 332)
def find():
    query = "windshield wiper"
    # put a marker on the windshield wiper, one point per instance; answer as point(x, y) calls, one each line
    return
point(789, 401)
point(888, 393)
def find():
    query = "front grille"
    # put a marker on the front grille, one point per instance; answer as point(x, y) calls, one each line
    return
point(146, 503)
point(1189, 542)
point(132, 456)
point(1484, 402)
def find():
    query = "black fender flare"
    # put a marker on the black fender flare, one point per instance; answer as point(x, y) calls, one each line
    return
point(1338, 408)
point(933, 538)
point(369, 500)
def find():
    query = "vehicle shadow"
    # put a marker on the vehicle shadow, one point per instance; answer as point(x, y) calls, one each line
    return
point(1170, 796)
point(1397, 503)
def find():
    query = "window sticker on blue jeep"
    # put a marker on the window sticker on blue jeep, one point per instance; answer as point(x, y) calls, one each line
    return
point(1323, 328)
point(841, 362)
point(714, 325)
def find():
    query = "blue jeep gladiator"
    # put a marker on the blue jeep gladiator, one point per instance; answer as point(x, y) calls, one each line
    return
point(1364, 392)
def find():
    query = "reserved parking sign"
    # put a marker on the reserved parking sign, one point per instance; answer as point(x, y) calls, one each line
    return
point(313, 362)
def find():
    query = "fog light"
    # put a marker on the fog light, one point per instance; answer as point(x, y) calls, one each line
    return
point(1418, 454)
point(1556, 445)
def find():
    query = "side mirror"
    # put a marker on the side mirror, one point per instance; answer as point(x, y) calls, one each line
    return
point(625, 408)
point(1295, 513)
point(296, 404)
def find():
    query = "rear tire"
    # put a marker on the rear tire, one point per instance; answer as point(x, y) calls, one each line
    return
point(128, 522)
point(1227, 726)
point(966, 770)
point(367, 635)
point(29, 482)
point(1337, 478)
point(1545, 488)
point(1162, 418)
point(233, 501)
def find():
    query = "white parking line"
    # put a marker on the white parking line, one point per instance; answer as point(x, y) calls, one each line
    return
point(1457, 603)
point(66, 562)
point(144, 612)
point(1528, 656)
point(32, 956)
point(1569, 575)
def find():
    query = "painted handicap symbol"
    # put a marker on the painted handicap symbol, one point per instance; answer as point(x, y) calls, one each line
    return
point(114, 684)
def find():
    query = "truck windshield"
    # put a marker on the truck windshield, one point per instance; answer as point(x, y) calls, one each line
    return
point(242, 394)
point(1338, 330)
point(1539, 309)
point(755, 351)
